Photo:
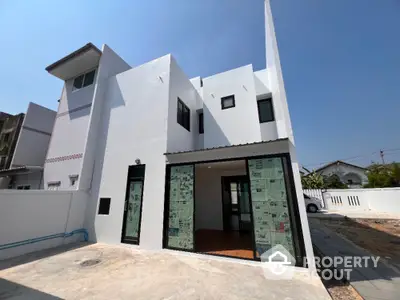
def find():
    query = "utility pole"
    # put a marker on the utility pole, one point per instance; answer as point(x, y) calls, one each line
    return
point(382, 155)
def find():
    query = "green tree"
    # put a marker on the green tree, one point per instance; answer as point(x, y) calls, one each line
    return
point(381, 176)
point(333, 182)
point(312, 181)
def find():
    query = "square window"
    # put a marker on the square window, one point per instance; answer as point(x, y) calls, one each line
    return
point(201, 123)
point(53, 186)
point(183, 115)
point(265, 111)
point(78, 81)
point(73, 179)
point(104, 206)
point(89, 78)
point(228, 102)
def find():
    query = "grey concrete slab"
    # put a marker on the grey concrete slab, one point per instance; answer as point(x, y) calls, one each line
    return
point(382, 282)
point(127, 273)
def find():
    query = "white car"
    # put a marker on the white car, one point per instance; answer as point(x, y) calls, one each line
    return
point(313, 204)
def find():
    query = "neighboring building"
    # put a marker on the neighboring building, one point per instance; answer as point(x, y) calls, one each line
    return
point(23, 147)
point(178, 163)
point(10, 127)
point(352, 175)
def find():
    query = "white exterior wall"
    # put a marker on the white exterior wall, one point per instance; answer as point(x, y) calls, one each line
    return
point(34, 137)
point(380, 200)
point(269, 131)
point(208, 193)
point(179, 139)
point(275, 78)
point(67, 144)
point(232, 126)
point(132, 97)
point(34, 180)
point(31, 214)
point(110, 64)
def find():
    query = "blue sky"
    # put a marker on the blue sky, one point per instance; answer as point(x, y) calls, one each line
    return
point(340, 58)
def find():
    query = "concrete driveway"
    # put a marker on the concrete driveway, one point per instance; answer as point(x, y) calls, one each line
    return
point(100, 271)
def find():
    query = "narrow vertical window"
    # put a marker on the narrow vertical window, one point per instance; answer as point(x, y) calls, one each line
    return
point(201, 123)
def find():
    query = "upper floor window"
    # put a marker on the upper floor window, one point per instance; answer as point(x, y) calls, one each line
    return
point(265, 110)
point(183, 115)
point(201, 123)
point(84, 80)
point(228, 102)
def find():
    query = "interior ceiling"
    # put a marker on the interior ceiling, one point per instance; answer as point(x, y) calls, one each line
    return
point(233, 164)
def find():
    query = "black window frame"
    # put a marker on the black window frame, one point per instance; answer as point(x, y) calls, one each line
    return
point(201, 123)
point(267, 100)
point(183, 114)
point(82, 79)
point(226, 98)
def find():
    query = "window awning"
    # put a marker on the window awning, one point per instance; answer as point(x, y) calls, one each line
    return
point(75, 63)
point(20, 170)
point(238, 151)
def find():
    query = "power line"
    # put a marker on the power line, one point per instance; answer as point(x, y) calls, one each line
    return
point(381, 153)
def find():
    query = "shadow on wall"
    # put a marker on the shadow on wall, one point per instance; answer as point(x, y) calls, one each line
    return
point(80, 112)
point(110, 101)
point(215, 135)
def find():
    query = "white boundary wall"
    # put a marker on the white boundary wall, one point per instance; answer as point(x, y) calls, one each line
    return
point(380, 200)
point(31, 214)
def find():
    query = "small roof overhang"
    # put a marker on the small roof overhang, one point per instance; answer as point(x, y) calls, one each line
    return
point(20, 170)
point(239, 151)
point(77, 62)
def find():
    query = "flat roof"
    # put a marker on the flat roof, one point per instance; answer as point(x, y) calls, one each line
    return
point(86, 48)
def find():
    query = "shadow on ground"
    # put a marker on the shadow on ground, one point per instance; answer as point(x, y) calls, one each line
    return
point(12, 290)
point(24, 259)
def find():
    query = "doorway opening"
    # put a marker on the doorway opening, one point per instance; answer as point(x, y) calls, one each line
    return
point(238, 207)
point(223, 210)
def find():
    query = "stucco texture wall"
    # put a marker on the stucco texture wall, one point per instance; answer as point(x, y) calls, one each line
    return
point(31, 214)
point(132, 97)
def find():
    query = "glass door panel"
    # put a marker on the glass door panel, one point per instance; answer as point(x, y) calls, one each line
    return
point(180, 208)
point(133, 207)
point(272, 224)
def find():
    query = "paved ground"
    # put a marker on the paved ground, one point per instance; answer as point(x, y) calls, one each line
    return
point(371, 283)
point(124, 273)
point(354, 215)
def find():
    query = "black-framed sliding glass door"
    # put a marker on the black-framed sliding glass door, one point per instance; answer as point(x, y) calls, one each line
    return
point(179, 208)
point(133, 205)
point(274, 207)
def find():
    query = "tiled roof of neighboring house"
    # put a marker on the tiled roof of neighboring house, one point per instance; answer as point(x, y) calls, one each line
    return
point(223, 147)
point(340, 162)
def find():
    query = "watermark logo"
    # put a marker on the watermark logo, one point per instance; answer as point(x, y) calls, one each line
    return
point(277, 263)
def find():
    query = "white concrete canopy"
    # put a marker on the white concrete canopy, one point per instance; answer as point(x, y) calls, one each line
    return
point(77, 62)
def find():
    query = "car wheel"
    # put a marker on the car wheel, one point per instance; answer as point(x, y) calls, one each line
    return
point(312, 208)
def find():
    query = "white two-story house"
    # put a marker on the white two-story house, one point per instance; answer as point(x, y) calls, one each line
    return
point(203, 165)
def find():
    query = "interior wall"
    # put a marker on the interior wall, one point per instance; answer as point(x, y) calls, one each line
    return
point(208, 192)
